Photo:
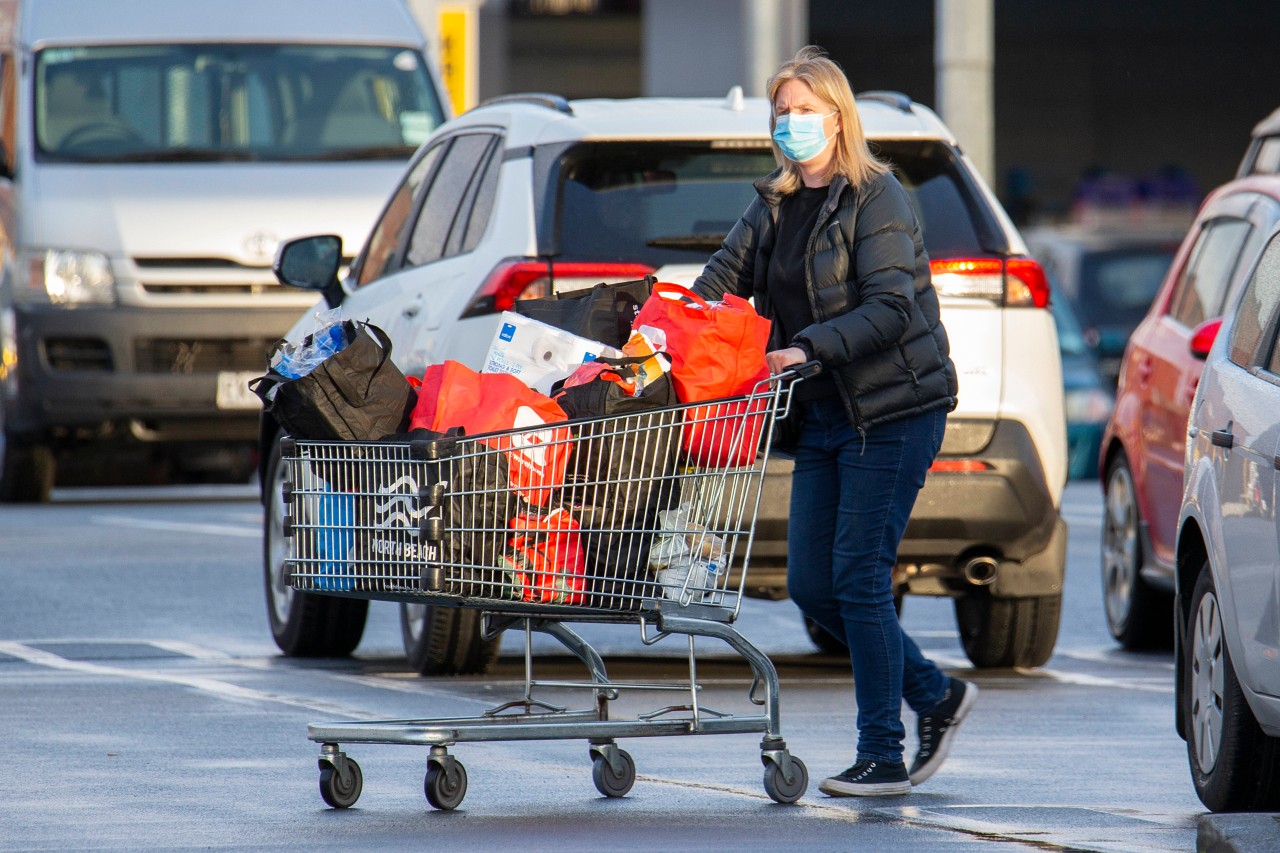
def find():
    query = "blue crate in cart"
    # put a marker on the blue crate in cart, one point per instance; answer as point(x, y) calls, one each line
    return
point(644, 518)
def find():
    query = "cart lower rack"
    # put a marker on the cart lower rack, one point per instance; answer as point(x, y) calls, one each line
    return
point(645, 518)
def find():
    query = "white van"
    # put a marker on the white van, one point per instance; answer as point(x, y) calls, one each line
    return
point(152, 155)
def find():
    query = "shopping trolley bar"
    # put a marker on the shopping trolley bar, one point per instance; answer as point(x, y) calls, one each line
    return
point(471, 729)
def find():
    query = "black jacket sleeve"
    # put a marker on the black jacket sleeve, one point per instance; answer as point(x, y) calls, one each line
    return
point(883, 254)
point(732, 268)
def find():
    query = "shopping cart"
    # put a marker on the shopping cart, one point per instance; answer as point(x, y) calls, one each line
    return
point(636, 519)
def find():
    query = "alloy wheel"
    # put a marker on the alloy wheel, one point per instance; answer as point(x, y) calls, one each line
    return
point(1119, 546)
point(415, 620)
point(1207, 682)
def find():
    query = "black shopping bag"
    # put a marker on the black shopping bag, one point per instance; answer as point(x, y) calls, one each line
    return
point(602, 313)
point(621, 473)
point(356, 394)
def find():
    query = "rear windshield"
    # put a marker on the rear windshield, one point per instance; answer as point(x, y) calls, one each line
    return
point(674, 202)
point(1117, 286)
point(208, 102)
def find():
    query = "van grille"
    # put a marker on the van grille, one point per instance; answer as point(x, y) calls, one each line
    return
point(208, 276)
point(77, 354)
point(210, 287)
point(178, 276)
point(175, 355)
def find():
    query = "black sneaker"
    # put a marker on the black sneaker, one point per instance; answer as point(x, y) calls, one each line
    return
point(938, 727)
point(869, 778)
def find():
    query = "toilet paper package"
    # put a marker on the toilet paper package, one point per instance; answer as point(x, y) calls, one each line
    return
point(538, 354)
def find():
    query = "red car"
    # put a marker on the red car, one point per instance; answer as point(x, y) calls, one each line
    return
point(1141, 461)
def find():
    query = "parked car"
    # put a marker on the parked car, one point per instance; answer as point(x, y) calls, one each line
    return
point(152, 154)
point(1087, 397)
point(1228, 563)
point(1109, 276)
point(1145, 441)
point(1262, 157)
point(529, 194)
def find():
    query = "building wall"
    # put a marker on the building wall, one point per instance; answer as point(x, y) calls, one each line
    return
point(1126, 86)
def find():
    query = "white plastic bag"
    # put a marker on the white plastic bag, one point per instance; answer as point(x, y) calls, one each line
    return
point(687, 559)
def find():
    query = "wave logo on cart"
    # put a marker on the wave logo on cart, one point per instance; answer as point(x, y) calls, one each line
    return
point(529, 447)
point(398, 511)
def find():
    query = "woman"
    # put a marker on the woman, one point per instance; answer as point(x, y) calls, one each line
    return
point(832, 253)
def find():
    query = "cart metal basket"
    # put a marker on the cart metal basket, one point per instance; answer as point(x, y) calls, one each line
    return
point(633, 519)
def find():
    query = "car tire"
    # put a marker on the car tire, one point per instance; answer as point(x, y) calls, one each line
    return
point(302, 624)
point(26, 469)
point(1138, 615)
point(445, 640)
point(1235, 766)
point(824, 640)
point(829, 644)
point(1006, 632)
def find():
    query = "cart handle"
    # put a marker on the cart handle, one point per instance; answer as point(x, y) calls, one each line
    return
point(799, 372)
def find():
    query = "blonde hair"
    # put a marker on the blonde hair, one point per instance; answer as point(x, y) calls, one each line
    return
point(853, 159)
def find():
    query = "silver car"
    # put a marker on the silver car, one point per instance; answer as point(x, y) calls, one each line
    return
point(1228, 550)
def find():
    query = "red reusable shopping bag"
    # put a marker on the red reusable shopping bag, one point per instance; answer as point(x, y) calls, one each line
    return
point(717, 350)
point(546, 558)
point(454, 395)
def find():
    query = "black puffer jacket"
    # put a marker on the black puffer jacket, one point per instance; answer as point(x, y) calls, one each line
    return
point(876, 328)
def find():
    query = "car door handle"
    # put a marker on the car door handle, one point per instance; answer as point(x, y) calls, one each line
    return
point(1222, 438)
point(410, 312)
point(1275, 461)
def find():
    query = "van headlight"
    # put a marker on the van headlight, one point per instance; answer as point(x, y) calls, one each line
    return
point(67, 277)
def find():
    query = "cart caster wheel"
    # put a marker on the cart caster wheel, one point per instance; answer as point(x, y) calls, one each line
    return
point(776, 785)
point(341, 788)
point(608, 782)
point(445, 786)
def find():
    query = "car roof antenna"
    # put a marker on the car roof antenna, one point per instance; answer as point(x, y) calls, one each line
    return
point(733, 101)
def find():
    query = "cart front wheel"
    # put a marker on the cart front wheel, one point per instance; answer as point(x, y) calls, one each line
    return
point(608, 782)
point(777, 786)
point(341, 788)
point(445, 786)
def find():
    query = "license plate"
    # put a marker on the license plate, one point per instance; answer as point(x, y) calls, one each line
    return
point(233, 390)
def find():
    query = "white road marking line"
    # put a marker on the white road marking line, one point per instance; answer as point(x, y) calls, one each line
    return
point(190, 650)
point(1110, 658)
point(1076, 678)
point(1084, 680)
point(176, 526)
point(222, 689)
point(1011, 832)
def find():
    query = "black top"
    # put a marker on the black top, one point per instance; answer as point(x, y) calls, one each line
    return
point(881, 338)
point(788, 294)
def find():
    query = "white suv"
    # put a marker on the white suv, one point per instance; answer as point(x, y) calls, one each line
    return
point(529, 194)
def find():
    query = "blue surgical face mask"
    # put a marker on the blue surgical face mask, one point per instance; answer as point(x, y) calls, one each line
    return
point(800, 135)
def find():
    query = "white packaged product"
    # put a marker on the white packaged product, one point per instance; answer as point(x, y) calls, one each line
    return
point(539, 354)
point(686, 557)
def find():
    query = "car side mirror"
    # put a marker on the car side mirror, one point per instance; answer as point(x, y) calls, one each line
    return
point(311, 263)
point(1203, 336)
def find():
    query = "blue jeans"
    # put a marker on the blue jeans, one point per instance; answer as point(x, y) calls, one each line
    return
point(850, 499)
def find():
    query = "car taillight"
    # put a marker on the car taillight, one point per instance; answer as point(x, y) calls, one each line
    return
point(960, 466)
point(525, 278)
point(1013, 282)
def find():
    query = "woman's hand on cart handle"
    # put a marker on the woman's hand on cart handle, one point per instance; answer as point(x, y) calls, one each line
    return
point(781, 359)
point(792, 359)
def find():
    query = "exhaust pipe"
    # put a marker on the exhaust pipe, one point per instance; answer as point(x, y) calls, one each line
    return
point(981, 571)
